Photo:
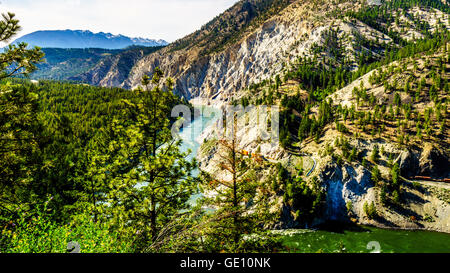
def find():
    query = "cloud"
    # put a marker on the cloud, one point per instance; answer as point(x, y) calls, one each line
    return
point(156, 19)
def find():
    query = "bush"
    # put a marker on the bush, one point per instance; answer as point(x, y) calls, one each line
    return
point(349, 206)
point(37, 233)
point(376, 175)
point(396, 197)
point(416, 185)
point(375, 156)
point(370, 210)
point(383, 196)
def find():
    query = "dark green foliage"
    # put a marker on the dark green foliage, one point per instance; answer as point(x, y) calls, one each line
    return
point(396, 197)
point(312, 127)
point(318, 78)
point(72, 64)
point(375, 156)
point(370, 210)
point(149, 178)
point(305, 201)
point(19, 128)
point(66, 136)
point(379, 17)
point(20, 141)
point(395, 175)
point(376, 175)
point(71, 120)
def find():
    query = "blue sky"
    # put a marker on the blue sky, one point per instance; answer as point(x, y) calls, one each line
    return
point(156, 19)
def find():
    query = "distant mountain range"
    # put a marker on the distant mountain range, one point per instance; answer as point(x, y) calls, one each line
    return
point(84, 39)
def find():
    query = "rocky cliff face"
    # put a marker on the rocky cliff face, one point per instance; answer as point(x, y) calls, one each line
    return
point(254, 40)
point(429, 162)
point(346, 185)
point(349, 188)
point(256, 56)
point(269, 35)
point(113, 70)
point(349, 185)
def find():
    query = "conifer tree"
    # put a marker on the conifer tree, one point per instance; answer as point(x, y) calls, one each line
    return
point(151, 178)
point(19, 127)
point(239, 209)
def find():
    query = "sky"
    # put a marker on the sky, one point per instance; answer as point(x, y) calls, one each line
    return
point(154, 19)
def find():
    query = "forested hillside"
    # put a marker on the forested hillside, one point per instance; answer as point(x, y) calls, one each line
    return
point(71, 64)
point(119, 65)
point(63, 145)
point(61, 64)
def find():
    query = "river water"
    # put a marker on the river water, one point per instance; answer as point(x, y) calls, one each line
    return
point(366, 240)
point(353, 240)
point(190, 134)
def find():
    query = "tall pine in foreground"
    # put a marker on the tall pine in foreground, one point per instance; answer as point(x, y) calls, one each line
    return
point(238, 199)
point(19, 127)
point(149, 178)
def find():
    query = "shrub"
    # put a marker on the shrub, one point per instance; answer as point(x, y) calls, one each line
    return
point(376, 175)
point(383, 195)
point(37, 233)
point(370, 210)
point(349, 206)
point(396, 197)
point(416, 185)
point(375, 154)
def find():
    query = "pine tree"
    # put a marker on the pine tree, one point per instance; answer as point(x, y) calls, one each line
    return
point(16, 59)
point(376, 175)
point(239, 209)
point(395, 175)
point(151, 179)
point(19, 126)
point(375, 156)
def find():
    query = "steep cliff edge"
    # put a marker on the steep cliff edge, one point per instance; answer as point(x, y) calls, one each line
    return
point(113, 70)
point(249, 42)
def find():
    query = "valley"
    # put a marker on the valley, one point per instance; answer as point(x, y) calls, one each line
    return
point(355, 147)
